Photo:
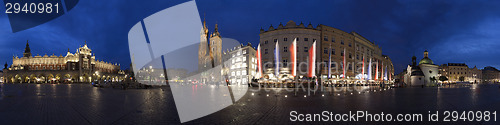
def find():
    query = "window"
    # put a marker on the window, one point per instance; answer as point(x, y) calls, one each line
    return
point(341, 53)
point(306, 39)
point(325, 50)
point(333, 51)
point(285, 62)
point(306, 49)
point(350, 57)
point(357, 57)
point(244, 58)
point(243, 73)
point(285, 49)
point(298, 39)
point(285, 39)
point(342, 42)
point(333, 39)
point(333, 65)
point(232, 74)
point(350, 45)
point(275, 40)
point(314, 40)
point(325, 38)
point(244, 51)
point(265, 42)
point(265, 51)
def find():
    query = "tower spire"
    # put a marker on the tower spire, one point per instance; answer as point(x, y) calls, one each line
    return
point(27, 50)
point(216, 30)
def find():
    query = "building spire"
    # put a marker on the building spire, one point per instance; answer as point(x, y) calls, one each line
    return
point(27, 50)
point(216, 30)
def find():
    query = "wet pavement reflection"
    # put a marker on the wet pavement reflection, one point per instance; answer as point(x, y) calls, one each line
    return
point(84, 104)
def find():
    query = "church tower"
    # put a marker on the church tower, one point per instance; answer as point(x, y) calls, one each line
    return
point(27, 51)
point(203, 61)
point(216, 47)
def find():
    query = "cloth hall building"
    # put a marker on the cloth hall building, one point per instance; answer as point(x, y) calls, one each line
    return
point(80, 66)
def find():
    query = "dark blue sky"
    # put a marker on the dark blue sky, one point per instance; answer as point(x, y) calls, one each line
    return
point(452, 31)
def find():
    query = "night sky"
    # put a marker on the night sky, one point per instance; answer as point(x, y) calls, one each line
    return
point(452, 31)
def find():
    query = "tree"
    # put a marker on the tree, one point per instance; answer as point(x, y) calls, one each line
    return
point(443, 78)
point(461, 78)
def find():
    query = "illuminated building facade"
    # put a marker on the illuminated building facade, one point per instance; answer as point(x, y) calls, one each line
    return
point(80, 66)
point(333, 49)
point(240, 64)
point(491, 74)
point(460, 72)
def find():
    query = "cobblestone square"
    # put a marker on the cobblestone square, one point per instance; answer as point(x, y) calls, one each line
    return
point(84, 104)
